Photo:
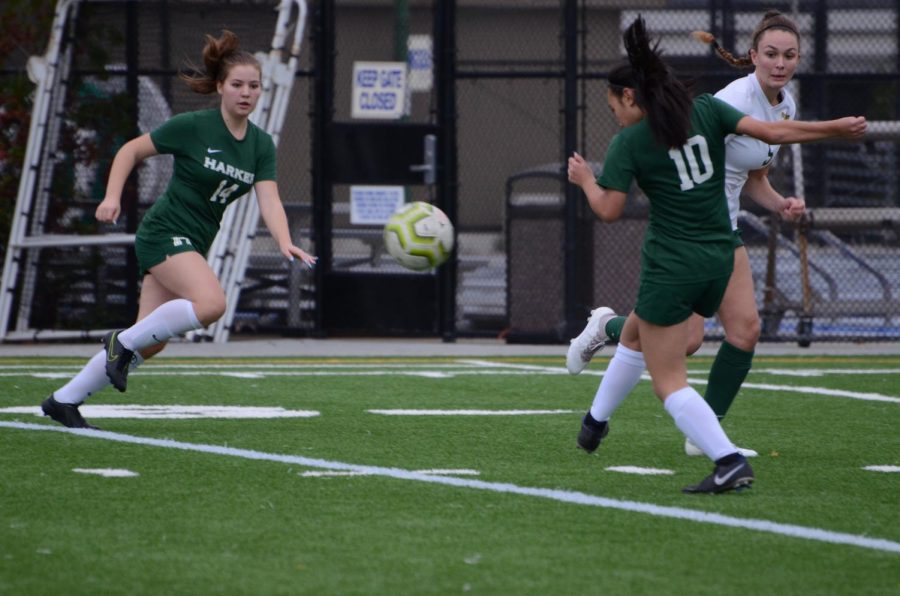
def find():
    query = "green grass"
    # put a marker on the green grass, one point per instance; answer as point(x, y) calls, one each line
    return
point(207, 523)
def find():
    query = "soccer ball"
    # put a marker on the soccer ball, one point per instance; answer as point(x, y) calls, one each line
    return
point(419, 236)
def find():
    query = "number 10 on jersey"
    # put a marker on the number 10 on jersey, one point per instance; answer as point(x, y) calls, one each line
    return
point(690, 171)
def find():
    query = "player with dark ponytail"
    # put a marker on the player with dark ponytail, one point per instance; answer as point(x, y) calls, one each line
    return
point(688, 254)
point(665, 100)
point(775, 54)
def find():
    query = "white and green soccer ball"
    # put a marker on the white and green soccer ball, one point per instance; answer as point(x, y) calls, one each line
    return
point(419, 236)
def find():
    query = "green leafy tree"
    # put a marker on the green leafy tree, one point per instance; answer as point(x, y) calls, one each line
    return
point(24, 31)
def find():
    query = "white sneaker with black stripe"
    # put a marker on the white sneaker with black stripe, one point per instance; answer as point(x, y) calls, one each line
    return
point(589, 341)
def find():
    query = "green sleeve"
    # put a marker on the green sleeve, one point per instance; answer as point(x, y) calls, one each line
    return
point(170, 135)
point(728, 114)
point(618, 167)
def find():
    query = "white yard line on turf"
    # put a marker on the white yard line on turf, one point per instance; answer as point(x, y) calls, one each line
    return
point(694, 381)
point(460, 368)
point(468, 412)
point(563, 496)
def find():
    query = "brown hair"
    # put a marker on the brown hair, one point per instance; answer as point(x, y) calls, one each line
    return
point(773, 19)
point(219, 56)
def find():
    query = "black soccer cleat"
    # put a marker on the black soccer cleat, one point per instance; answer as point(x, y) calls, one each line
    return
point(736, 475)
point(65, 414)
point(118, 360)
point(592, 432)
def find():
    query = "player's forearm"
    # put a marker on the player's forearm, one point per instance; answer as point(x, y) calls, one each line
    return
point(602, 204)
point(276, 221)
point(760, 190)
point(123, 163)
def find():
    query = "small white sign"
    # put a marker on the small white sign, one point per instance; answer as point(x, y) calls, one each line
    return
point(374, 204)
point(379, 90)
point(421, 64)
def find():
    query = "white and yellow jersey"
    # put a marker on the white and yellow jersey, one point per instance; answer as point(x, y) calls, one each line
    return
point(743, 153)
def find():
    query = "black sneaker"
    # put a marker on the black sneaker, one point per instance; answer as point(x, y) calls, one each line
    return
point(118, 360)
point(592, 432)
point(736, 476)
point(65, 414)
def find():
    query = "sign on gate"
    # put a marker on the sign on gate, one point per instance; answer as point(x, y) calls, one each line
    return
point(379, 90)
point(420, 62)
point(374, 204)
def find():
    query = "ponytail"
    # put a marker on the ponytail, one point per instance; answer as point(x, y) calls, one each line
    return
point(664, 99)
point(773, 19)
point(709, 39)
point(219, 56)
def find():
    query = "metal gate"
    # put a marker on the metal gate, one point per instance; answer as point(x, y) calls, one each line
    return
point(371, 135)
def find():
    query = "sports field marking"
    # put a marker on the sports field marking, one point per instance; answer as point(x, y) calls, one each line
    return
point(469, 412)
point(882, 468)
point(435, 371)
point(746, 385)
point(563, 496)
point(107, 472)
point(641, 470)
point(174, 412)
point(329, 473)
point(818, 391)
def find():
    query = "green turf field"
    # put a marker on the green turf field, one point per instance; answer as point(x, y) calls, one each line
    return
point(442, 476)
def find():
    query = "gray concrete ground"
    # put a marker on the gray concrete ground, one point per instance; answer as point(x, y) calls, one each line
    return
point(281, 347)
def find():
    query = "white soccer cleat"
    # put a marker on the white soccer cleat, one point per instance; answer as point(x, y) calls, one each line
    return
point(589, 341)
point(691, 449)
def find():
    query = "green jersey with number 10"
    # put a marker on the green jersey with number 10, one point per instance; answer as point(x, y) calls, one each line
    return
point(212, 170)
point(689, 237)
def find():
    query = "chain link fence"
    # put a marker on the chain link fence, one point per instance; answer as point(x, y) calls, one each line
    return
point(530, 86)
point(848, 245)
point(122, 61)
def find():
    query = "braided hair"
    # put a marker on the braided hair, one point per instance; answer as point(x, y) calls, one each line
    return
point(773, 19)
point(220, 55)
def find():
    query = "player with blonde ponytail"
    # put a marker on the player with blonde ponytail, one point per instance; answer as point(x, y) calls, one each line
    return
point(219, 156)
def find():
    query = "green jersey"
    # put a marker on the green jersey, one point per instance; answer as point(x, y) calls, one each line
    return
point(689, 237)
point(212, 170)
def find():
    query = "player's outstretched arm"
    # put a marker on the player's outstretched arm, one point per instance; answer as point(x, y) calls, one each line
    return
point(801, 131)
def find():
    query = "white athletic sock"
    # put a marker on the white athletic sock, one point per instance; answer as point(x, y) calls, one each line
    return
point(89, 380)
point(698, 422)
point(622, 374)
point(168, 320)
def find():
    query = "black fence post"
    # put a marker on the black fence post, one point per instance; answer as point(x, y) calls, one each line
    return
point(570, 144)
point(445, 67)
point(322, 114)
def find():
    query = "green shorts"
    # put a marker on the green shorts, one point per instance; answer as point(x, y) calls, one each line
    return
point(670, 304)
point(738, 239)
point(153, 250)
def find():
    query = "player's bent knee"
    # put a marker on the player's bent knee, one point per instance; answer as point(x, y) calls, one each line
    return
point(693, 346)
point(746, 334)
point(210, 310)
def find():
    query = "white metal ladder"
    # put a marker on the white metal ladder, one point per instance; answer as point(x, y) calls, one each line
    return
point(230, 251)
point(229, 254)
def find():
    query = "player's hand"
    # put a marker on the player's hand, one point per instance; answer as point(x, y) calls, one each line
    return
point(793, 209)
point(852, 127)
point(108, 210)
point(579, 171)
point(294, 251)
